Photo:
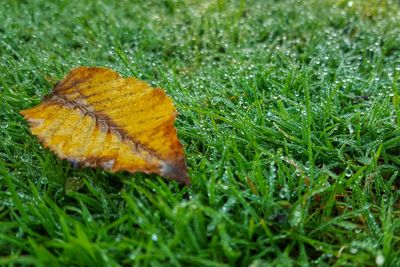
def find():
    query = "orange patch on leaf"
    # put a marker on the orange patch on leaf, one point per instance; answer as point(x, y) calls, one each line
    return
point(94, 117)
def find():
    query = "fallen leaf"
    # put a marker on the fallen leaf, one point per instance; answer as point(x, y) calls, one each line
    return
point(94, 117)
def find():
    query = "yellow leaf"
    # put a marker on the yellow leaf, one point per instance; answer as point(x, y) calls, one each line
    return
point(94, 117)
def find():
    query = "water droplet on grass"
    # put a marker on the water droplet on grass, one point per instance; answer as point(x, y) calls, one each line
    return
point(210, 228)
point(353, 250)
point(73, 184)
point(348, 172)
point(380, 260)
point(154, 237)
point(296, 216)
point(284, 193)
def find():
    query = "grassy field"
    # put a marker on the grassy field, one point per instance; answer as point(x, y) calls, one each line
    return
point(289, 115)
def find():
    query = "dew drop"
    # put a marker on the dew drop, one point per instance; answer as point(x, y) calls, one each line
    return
point(353, 250)
point(348, 172)
point(380, 260)
point(284, 193)
point(154, 237)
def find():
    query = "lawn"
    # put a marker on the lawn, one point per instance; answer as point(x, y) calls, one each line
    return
point(289, 113)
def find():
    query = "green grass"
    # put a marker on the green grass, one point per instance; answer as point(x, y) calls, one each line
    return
point(289, 115)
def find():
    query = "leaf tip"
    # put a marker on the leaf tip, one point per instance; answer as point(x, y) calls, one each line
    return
point(175, 170)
